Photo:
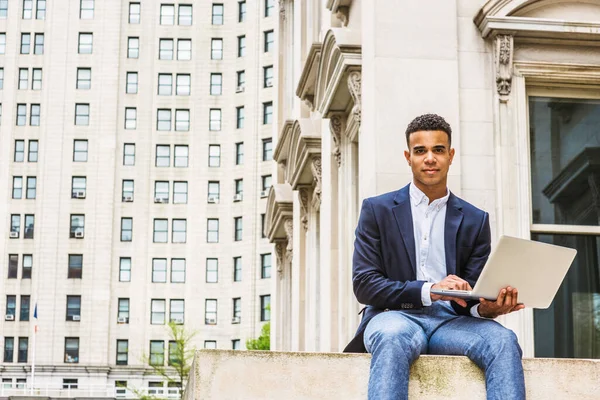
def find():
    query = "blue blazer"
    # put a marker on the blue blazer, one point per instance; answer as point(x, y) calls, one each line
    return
point(383, 266)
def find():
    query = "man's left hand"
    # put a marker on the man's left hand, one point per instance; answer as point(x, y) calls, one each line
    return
point(504, 304)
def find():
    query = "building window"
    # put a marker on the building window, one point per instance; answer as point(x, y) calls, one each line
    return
point(123, 311)
point(15, 226)
point(214, 191)
point(241, 81)
point(73, 308)
point(269, 41)
point(158, 312)
point(31, 187)
point(241, 46)
point(9, 346)
point(212, 270)
point(75, 266)
point(130, 118)
point(268, 112)
point(178, 270)
point(216, 49)
point(86, 9)
point(25, 43)
point(129, 154)
point(34, 118)
point(237, 311)
point(134, 13)
point(265, 266)
point(268, 76)
point(25, 305)
point(13, 266)
point(237, 269)
point(71, 350)
point(80, 150)
point(237, 222)
point(161, 191)
point(21, 114)
point(165, 49)
point(165, 84)
point(11, 306)
point(210, 344)
point(215, 119)
point(127, 191)
point(185, 15)
point(85, 43)
point(267, 149)
point(177, 311)
point(32, 155)
point(181, 156)
point(126, 229)
point(27, 266)
point(2, 43)
point(214, 155)
point(163, 120)
point(17, 191)
point(36, 83)
point(241, 11)
point(163, 156)
point(2, 77)
point(184, 84)
point(40, 12)
point(159, 270)
point(29, 226)
point(236, 344)
point(179, 231)
point(180, 192)
point(3, 9)
point(23, 78)
point(157, 352)
point(184, 49)
point(161, 230)
point(131, 83)
point(84, 78)
point(125, 269)
point(217, 14)
point(19, 151)
point(239, 153)
point(167, 14)
point(78, 187)
point(216, 84)
point(262, 226)
point(265, 308)
point(239, 111)
point(269, 7)
point(38, 48)
point(210, 312)
point(239, 188)
point(122, 352)
point(212, 231)
point(82, 114)
point(182, 120)
point(27, 9)
point(133, 47)
point(23, 349)
point(265, 182)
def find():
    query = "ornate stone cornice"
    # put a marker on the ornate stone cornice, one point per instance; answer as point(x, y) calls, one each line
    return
point(305, 143)
point(280, 249)
point(303, 197)
point(308, 79)
point(281, 151)
point(504, 65)
point(354, 86)
point(341, 9)
point(289, 231)
point(279, 208)
point(336, 123)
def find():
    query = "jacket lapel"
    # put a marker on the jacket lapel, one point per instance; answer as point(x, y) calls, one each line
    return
point(404, 220)
point(454, 217)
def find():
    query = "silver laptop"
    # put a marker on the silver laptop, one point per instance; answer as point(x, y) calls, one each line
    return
point(536, 269)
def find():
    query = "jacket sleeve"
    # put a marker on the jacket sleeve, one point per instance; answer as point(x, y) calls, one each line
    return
point(472, 269)
point(371, 285)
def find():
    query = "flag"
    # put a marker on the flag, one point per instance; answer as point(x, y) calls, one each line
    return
point(36, 317)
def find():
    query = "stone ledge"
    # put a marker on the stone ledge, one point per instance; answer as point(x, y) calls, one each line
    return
point(249, 375)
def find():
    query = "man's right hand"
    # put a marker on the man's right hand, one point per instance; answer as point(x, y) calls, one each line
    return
point(451, 282)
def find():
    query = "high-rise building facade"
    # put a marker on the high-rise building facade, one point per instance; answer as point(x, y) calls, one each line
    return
point(135, 148)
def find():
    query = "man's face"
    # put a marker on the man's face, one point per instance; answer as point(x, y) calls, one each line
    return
point(429, 157)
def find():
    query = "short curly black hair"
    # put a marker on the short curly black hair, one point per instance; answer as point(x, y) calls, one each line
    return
point(428, 122)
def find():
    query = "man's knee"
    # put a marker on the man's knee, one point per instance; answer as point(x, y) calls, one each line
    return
point(494, 341)
point(394, 334)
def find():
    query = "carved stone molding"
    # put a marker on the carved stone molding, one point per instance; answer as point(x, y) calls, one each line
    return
point(288, 225)
point(504, 65)
point(335, 125)
point(282, 9)
point(342, 14)
point(354, 85)
point(303, 192)
point(316, 171)
point(281, 259)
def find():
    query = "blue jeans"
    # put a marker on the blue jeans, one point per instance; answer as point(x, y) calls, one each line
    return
point(397, 338)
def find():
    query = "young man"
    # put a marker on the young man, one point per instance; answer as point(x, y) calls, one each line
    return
point(411, 240)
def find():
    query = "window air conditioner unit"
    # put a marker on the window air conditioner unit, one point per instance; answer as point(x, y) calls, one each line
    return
point(264, 193)
point(76, 317)
point(178, 320)
point(235, 320)
point(211, 321)
point(9, 317)
point(213, 199)
point(160, 199)
point(239, 89)
point(237, 197)
point(79, 234)
point(14, 235)
point(122, 320)
point(127, 199)
point(80, 194)
point(269, 82)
